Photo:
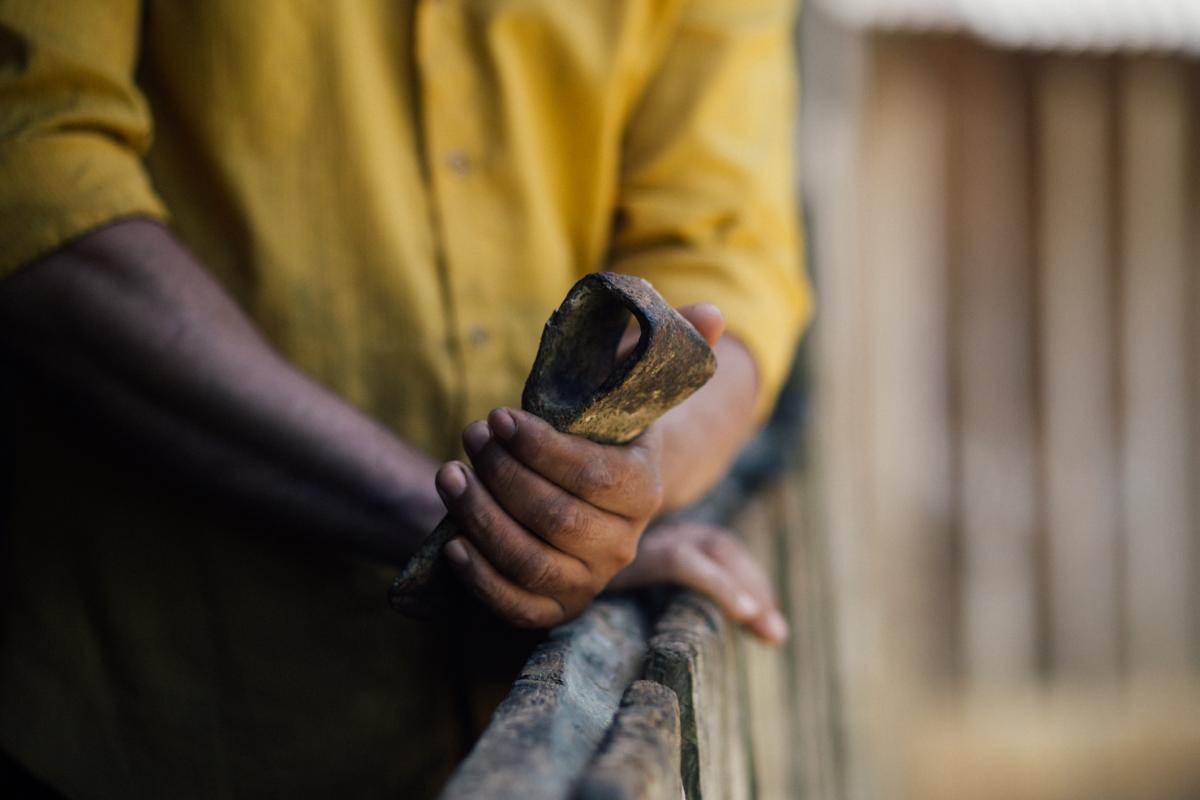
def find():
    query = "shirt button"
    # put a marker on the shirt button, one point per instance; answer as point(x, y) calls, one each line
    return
point(458, 162)
point(478, 335)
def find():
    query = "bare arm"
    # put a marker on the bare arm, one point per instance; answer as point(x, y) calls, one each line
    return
point(131, 326)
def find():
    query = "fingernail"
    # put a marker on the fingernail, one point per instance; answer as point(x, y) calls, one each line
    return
point(502, 424)
point(475, 437)
point(456, 551)
point(745, 605)
point(452, 481)
point(777, 628)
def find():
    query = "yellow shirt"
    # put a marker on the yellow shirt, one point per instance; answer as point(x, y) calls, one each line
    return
point(398, 194)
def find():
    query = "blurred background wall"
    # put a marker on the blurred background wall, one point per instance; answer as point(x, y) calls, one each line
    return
point(1004, 203)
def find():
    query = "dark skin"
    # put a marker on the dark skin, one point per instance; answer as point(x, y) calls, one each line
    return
point(144, 338)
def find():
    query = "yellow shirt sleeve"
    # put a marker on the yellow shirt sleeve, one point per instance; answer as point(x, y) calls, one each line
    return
point(707, 211)
point(73, 126)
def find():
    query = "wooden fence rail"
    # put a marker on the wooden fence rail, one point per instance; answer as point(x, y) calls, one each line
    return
point(645, 699)
point(654, 696)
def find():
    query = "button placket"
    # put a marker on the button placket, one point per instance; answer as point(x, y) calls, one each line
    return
point(454, 130)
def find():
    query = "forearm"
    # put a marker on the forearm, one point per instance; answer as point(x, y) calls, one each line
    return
point(702, 436)
point(140, 335)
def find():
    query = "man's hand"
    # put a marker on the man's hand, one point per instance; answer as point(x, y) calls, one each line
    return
point(548, 518)
point(711, 561)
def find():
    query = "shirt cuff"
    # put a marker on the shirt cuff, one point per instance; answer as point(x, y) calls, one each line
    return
point(54, 189)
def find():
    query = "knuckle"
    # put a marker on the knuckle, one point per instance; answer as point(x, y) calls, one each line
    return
point(722, 545)
point(563, 517)
point(625, 552)
point(652, 495)
point(675, 563)
point(538, 572)
point(623, 549)
point(475, 514)
point(596, 476)
point(646, 482)
point(498, 470)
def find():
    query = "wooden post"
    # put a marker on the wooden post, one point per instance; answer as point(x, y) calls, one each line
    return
point(773, 747)
point(817, 702)
point(836, 71)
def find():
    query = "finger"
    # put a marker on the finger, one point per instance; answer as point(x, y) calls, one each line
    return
point(518, 606)
point(728, 550)
point(671, 554)
point(691, 567)
point(620, 479)
point(770, 626)
point(516, 553)
point(707, 319)
point(560, 518)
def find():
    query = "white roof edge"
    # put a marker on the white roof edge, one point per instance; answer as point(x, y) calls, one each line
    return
point(1104, 25)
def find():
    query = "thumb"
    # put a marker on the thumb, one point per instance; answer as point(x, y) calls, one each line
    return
point(707, 319)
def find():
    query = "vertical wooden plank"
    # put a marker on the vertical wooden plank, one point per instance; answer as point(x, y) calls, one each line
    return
point(816, 718)
point(769, 698)
point(1077, 323)
point(736, 748)
point(994, 319)
point(1192, 171)
point(1157, 522)
point(907, 507)
point(905, 307)
point(835, 66)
